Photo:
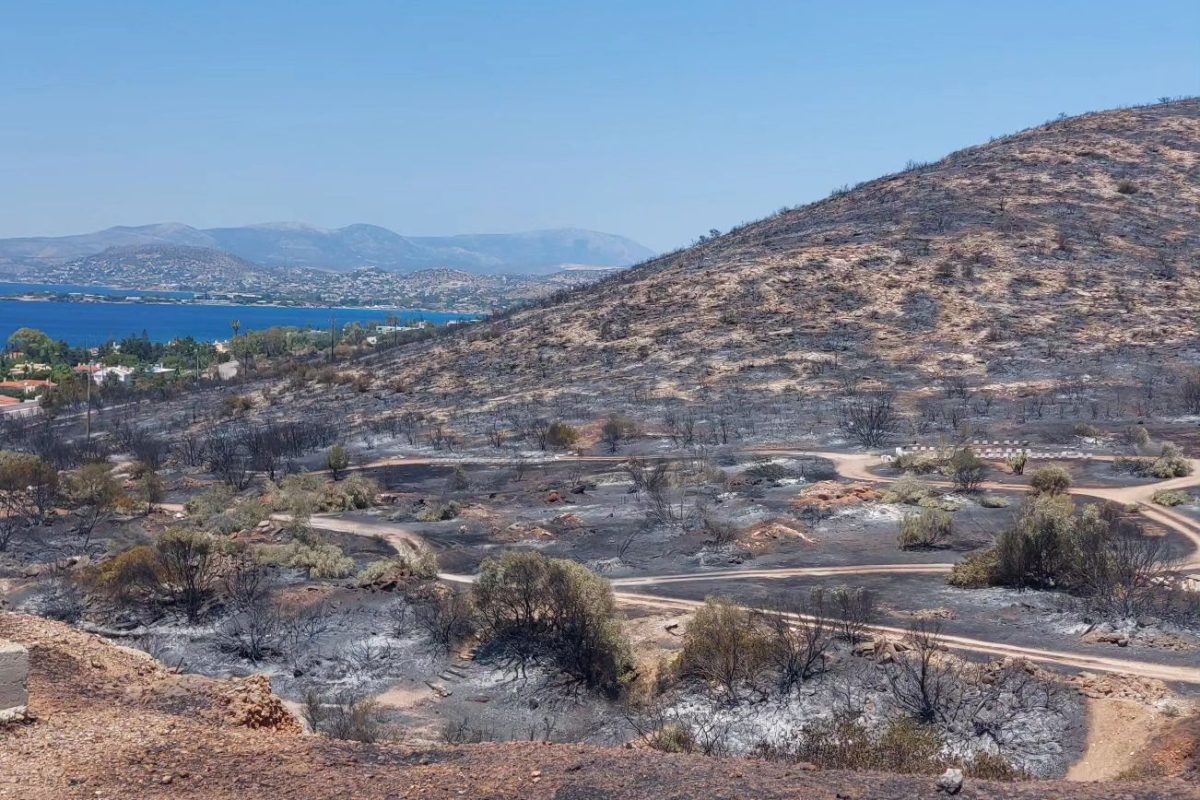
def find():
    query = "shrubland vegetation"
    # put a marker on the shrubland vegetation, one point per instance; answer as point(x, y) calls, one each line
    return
point(1095, 553)
point(537, 610)
point(927, 703)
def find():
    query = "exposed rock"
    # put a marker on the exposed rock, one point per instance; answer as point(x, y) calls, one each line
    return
point(951, 781)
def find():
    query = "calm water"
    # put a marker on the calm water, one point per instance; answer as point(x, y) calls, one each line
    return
point(89, 324)
point(70, 288)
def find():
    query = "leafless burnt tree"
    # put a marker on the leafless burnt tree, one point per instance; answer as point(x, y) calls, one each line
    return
point(870, 419)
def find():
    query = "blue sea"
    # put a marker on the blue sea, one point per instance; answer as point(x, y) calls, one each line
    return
point(90, 324)
point(71, 288)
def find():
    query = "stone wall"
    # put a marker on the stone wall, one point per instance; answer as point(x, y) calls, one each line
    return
point(14, 677)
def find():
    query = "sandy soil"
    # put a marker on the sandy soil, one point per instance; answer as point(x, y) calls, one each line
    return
point(1117, 732)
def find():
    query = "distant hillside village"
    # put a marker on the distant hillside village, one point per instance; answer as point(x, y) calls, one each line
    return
point(38, 372)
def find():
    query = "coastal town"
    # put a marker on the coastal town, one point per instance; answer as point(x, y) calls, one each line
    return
point(37, 371)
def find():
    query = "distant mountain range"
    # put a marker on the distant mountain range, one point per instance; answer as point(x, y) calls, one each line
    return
point(291, 245)
point(218, 273)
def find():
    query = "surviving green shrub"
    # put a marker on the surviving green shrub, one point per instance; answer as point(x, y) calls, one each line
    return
point(439, 512)
point(724, 645)
point(917, 463)
point(337, 461)
point(1038, 548)
point(903, 746)
point(966, 469)
point(907, 491)
point(126, 575)
point(1171, 497)
point(561, 435)
point(355, 492)
point(993, 501)
point(976, 571)
point(420, 563)
point(673, 737)
point(927, 529)
point(537, 609)
point(320, 560)
point(1170, 463)
point(1051, 479)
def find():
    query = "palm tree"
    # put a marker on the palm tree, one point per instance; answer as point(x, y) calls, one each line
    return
point(237, 326)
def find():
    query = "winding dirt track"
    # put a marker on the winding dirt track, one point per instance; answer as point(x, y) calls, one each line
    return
point(855, 467)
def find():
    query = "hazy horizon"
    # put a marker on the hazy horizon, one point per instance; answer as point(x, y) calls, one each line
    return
point(654, 123)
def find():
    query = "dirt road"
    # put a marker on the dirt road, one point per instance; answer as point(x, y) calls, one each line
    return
point(854, 467)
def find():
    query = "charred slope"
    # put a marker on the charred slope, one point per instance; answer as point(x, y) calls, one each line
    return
point(114, 723)
point(1067, 247)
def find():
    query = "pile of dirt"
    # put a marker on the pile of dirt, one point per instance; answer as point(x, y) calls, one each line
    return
point(112, 723)
point(767, 533)
point(1124, 687)
point(521, 532)
point(827, 497)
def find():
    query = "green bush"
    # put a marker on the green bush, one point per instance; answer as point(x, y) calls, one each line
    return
point(976, 571)
point(537, 609)
point(925, 530)
point(1171, 497)
point(420, 564)
point(673, 738)
point(902, 746)
point(966, 469)
point(439, 512)
point(1017, 463)
point(337, 461)
point(355, 492)
point(1171, 463)
point(723, 646)
point(907, 491)
point(1038, 549)
point(134, 572)
point(561, 435)
point(917, 463)
point(320, 560)
point(1051, 479)
point(993, 501)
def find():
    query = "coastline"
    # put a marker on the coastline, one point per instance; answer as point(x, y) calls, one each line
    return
point(157, 300)
point(79, 322)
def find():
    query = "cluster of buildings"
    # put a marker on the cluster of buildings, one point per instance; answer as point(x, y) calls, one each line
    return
point(20, 397)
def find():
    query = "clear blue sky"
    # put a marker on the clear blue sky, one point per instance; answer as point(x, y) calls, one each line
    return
point(657, 120)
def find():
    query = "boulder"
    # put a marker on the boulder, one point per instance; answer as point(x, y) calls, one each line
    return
point(951, 781)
